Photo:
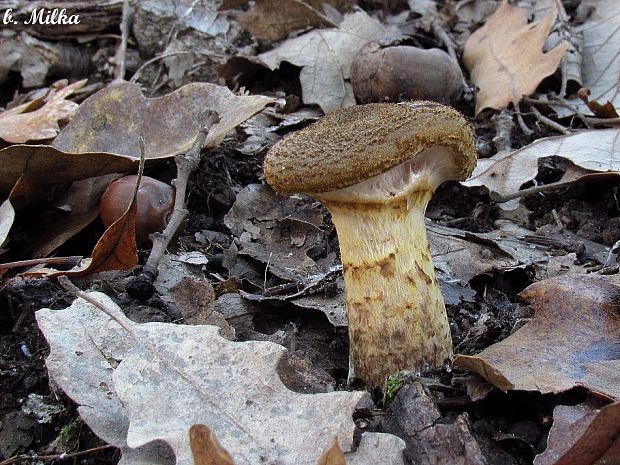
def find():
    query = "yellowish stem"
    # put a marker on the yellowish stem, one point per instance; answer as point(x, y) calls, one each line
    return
point(397, 317)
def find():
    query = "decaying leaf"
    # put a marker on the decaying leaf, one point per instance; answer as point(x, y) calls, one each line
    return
point(278, 232)
point(583, 435)
point(112, 119)
point(572, 340)
point(206, 449)
point(39, 120)
point(275, 19)
point(153, 381)
point(194, 300)
point(505, 57)
point(325, 57)
point(505, 172)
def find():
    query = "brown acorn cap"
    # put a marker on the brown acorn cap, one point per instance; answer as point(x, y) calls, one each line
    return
point(351, 145)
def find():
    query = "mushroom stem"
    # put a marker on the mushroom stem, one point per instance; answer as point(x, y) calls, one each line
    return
point(397, 317)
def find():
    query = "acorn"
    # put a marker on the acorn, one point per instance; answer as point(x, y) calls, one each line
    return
point(155, 204)
point(382, 72)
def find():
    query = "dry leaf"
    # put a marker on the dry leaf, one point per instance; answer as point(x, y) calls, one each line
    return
point(7, 216)
point(601, 62)
point(598, 110)
point(583, 435)
point(206, 449)
point(505, 57)
point(153, 381)
point(333, 455)
point(46, 165)
point(275, 19)
point(22, 124)
point(116, 249)
point(572, 340)
point(112, 119)
point(505, 172)
point(325, 57)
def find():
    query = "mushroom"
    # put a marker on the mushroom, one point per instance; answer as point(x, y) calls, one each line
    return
point(376, 167)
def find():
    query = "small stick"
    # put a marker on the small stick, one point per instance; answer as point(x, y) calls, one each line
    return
point(121, 54)
point(501, 198)
point(136, 75)
point(503, 131)
point(49, 458)
point(527, 131)
point(37, 261)
point(142, 286)
point(548, 121)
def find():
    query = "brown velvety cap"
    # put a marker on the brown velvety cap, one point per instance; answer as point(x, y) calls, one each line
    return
point(353, 144)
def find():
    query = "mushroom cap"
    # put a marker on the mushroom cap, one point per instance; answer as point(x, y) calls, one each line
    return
point(353, 144)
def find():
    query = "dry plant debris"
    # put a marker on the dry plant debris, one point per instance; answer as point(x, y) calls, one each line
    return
point(38, 119)
point(505, 57)
point(325, 57)
point(571, 341)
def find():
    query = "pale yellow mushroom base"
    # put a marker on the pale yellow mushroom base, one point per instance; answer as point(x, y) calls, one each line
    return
point(397, 318)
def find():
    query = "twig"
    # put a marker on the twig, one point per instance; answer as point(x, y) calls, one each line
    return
point(560, 102)
point(49, 458)
point(548, 121)
point(136, 75)
point(603, 121)
point(503, 130)
point(37, 261)
point(524, 129)
point(501, 198)
point(141, 287)
point(121, 54)
point(440, 32)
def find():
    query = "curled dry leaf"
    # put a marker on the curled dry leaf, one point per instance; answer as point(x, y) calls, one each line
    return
point(583, 435)
point(571, 341)
point(325, 57)
point(39, 120)
point(505, 172)
point(112, 119)
point(47, 165)
point(116, 249)
point(505, 57)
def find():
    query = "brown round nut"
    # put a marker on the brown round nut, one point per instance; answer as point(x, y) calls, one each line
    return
point(399, 73)
point(155, 203)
